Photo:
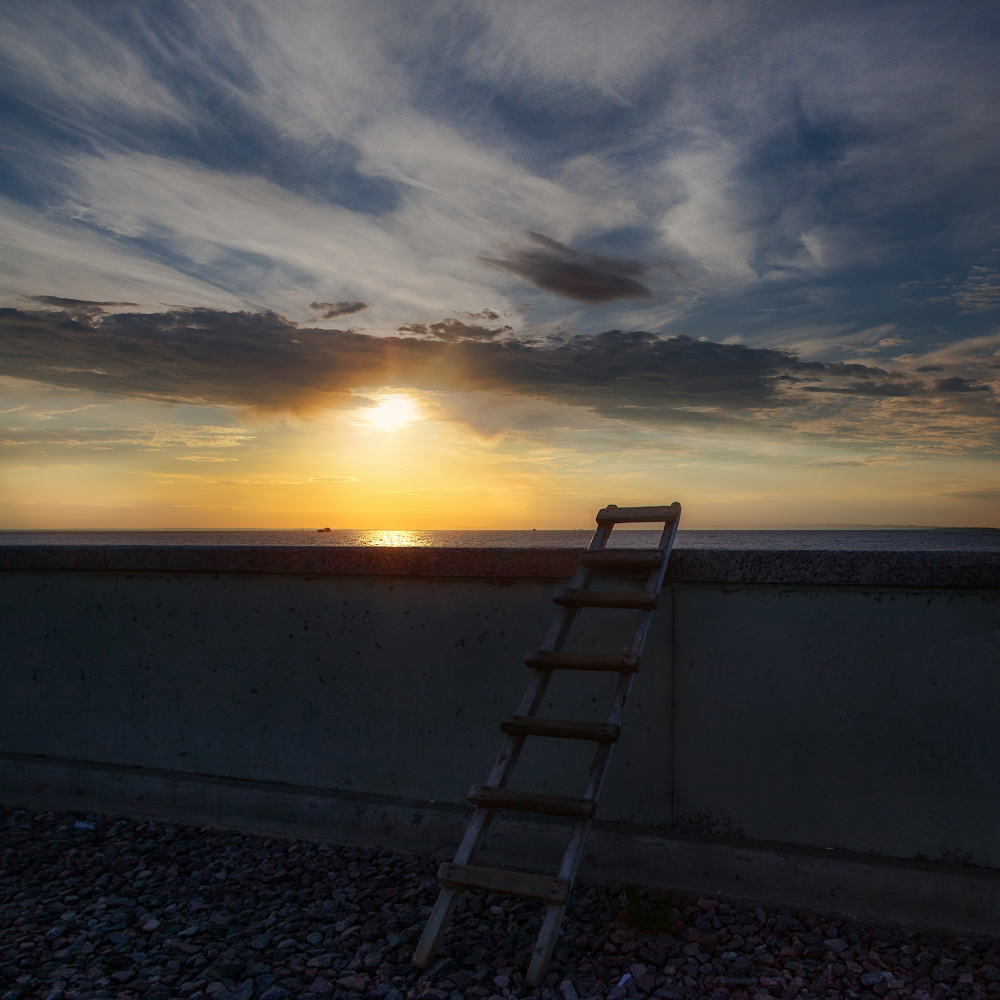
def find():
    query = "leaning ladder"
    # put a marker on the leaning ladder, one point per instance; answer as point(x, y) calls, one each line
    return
point(461, 874)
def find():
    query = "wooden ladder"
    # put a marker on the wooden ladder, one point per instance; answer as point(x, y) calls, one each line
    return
point(460, 874)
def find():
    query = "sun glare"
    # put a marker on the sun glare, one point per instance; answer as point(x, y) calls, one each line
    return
point(391, 539)
point(392, 413)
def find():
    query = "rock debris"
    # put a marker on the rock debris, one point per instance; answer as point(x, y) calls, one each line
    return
point(96, 907)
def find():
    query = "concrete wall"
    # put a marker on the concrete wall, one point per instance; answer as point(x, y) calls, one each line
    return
point(828, 727)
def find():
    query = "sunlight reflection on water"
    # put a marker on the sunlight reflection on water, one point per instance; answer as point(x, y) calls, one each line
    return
point(391, 538)
point(939, 539)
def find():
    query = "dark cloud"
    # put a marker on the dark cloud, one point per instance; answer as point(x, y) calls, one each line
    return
point(330, 310)
point(957, 384)
point(574, 275)
point(262, 360)
point(84, 307)
point(454, 329)
point(974, 494)
point(883, 384)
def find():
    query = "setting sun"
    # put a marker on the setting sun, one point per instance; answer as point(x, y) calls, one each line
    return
point(392, 413)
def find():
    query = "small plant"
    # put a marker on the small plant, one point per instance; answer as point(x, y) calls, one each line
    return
point(652, 915)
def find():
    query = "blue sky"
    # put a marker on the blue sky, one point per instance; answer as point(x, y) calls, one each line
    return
point(815, 179)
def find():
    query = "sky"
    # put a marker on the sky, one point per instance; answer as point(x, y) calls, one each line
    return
point(498, 264)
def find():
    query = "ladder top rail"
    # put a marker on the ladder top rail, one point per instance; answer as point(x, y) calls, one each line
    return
point(624, 515)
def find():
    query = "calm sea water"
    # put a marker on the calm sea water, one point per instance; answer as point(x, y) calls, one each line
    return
point(919, 539)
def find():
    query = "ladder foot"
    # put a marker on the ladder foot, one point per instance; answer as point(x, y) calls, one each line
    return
point(437, 923)
point(545, 943)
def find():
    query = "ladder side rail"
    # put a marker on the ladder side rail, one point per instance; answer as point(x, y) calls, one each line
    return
point(444, 905)
point(573, 854)
point(437, 924)
point(554, 639)
point(544, 944)
point(479, 824)
point(482, 817)
point(600, 538)
point(668, 536)
point(532, 700)
point(554, 912)
point(539, 683)
point(656, 577)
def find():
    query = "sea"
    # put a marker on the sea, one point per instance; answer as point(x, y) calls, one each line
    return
point(847, 539)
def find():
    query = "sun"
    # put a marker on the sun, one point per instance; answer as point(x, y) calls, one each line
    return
point(392, 413)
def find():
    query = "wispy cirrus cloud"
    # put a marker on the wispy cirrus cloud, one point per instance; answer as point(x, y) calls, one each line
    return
point(145, 438)
point(377, 155)
point(981, 290)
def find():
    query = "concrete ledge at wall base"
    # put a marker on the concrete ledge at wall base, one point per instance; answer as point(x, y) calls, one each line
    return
point(879, 568)
point(866, 889)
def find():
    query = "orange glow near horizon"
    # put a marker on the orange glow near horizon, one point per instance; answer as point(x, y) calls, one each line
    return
point(423, 461)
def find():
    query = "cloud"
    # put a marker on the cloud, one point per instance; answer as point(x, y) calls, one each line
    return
point(958, 384)
point(853, 463)
point(145, 438)
point(454, 330)
point(191, 154)
point(980, 292)
point(330, 310)
point(76, 305)
point(264, 362)
point(573, 275)
point(974, 494)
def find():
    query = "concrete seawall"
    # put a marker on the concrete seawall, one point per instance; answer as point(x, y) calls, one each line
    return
point(817, 728)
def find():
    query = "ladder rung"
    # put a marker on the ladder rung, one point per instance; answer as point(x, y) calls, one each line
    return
point(615, 662)
point(550, 805)
point(530, 725)
point(543, 887)
point(622, 559)
point(624, 515)
point(579, 598)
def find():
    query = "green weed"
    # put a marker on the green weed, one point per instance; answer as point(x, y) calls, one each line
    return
point(648, 913)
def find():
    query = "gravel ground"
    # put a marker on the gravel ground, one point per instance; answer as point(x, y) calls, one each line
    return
point(92, 907)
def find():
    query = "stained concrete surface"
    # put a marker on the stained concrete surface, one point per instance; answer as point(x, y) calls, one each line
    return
point(855, 718)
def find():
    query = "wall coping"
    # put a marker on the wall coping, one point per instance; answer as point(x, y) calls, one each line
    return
point(882, 568)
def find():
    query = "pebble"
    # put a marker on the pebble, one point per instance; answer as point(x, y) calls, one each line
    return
point(97, 907)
